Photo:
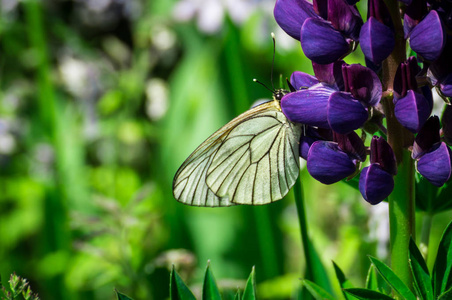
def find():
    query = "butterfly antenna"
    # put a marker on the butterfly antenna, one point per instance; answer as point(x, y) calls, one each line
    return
point(255, 80)
point(273, 60)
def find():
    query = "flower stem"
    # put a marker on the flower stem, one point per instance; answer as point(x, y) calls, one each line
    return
point(402, 218)
point(315, 270)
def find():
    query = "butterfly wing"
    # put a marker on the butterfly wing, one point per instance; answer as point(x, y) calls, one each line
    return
point(253, 159)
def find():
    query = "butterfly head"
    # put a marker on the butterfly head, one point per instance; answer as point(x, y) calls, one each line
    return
point(279, 93)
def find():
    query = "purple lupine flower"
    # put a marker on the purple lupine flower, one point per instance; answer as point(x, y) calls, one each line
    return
point(412, 106)
point(377, 35)
point(428, 37)
point(433, 156)
point(440, 71)
point(376, 181)
point(326, 29)
point(332, 161)
point(323, 105)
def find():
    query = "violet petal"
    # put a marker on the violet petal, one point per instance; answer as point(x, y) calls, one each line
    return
point(428, 38)
point(446, 86)
point(362, 83)
point(291, 14)
point(321, 43)
point(327, 163)
point(330, 74)
point(427, 137)
point(412, 111)
point(301, 80)
point(345, 18)
point(376, 40)
point(436, 166)
point(308, 106)
point(345, 113)
point(382, 154)
point(375, 184)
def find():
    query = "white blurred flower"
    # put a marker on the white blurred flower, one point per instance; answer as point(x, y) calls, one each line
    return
point(157, 98)
point(210, 13)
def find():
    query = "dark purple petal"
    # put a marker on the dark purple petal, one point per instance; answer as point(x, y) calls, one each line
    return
point(305, 144)
point(446, 85)
point(376, 40)
point(446, 121)
point(405, 77)
point(301, 80)
point(330, 74)
point(375, 184)
point(321, 8)
point(428, 38)
point(362, 83)
point(382, 154)
point(435, 165)
point(327, 163)
point(441, 68)
point(414, 13)
point(291, 14)
point(321, 43)
point(345, 113)
point(427, 137)
point(412, 111)
point(379, 10)
point(345, 18)
point(308, 106)
point(351, 144)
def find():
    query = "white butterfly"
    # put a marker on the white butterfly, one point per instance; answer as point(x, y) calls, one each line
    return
point(254, 159)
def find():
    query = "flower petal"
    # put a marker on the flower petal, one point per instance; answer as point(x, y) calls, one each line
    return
point(446, 120)
point(291, 14)
point(427, 137)
point(327, 163)
point(375, 184)
point(376, 40)
point(345, 113)
point(330, 74)
point(436, 165)
point(446, 86)
point(308, 106)
point(362, 83)
point(412, 111)
point(345, 18)
point(321, 43)
point(382, 154)
point(301, 80)
point(428, 37)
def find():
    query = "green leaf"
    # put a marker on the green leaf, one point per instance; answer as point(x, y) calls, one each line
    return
point(371, 279)
point(442, 271)
point(210, 289)
point(316, 291)
point(366, 294)
point(447, 295)
point(178, 289)
point(122, 296)
point(391, 278)
point(237, 295)
point(250, 288)
point(421, 275)
point(343, 281)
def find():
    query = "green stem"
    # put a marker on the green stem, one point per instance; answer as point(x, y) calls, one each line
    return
point(315, 271)
point(402, 218)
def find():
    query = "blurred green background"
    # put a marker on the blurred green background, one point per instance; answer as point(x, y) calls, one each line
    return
point(101, 101)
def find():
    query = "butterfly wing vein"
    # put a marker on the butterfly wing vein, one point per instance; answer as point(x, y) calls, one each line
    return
point(253, 160)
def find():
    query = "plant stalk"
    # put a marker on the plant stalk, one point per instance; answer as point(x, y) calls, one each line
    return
point(402, 218)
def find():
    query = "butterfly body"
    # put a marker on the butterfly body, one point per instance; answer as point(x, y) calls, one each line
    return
point(254, 160)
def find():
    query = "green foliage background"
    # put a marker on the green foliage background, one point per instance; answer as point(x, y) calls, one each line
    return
point(87, 160)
